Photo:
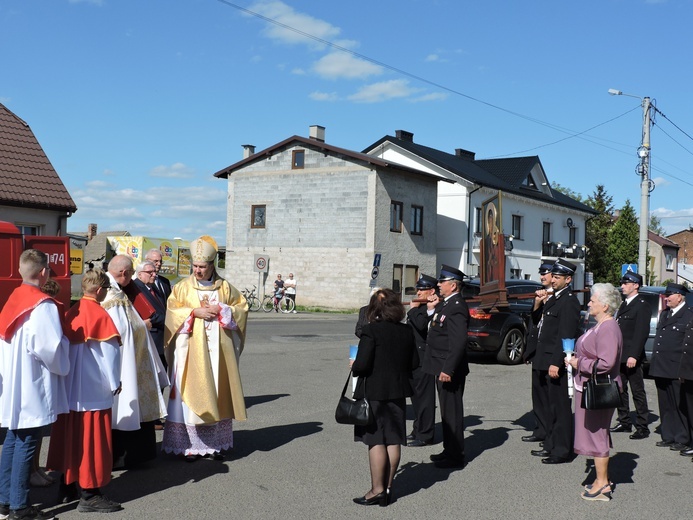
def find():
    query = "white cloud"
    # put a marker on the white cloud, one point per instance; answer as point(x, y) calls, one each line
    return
point(383, 91)
point(661, 181)
point(286, 15)
point(339, 64)
point(298, 71)
point(434, 96)
point(433, 57)
point(175, 171)
point(323, 96)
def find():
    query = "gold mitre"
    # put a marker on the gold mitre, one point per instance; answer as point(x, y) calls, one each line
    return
point(203, 249)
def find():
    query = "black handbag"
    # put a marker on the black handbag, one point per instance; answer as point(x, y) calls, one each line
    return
point(353, 411)
point(600, 392)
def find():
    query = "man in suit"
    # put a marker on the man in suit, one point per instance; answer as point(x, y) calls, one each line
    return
point(540, 398)
point(560, 320)
point(424, 385)
point(633, 318)
point(665, 365)
point(686, 377)
point(161, 283)
point(446, 359)
point(146, 276)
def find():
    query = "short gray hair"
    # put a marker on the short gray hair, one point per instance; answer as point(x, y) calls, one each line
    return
point(608, 295)
point(140, 267)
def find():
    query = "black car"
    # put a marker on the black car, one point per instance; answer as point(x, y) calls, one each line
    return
point(504, 331)
point(655, 297)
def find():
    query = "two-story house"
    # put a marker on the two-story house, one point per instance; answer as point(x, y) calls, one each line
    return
point(537, 221)
point(341, 221)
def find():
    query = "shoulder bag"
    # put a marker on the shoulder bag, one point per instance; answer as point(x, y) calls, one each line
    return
point(600, 392)
point(353, 411)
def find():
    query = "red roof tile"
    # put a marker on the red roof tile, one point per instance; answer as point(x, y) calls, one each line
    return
point(27, 177)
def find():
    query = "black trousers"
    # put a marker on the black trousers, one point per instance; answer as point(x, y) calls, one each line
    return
point(540, 403)
point(138, 446)
point(687, 405)
point(424, 402)
point(559, 436)
point(673, 423)
point(634, 378)
point(450, 396)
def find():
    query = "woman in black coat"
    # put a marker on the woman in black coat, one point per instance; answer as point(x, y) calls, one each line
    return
point(384, 362)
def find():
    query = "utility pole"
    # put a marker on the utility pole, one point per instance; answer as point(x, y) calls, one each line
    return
point(644, 171)
point(646, 184)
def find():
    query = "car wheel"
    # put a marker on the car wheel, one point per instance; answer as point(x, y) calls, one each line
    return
point(512, 348)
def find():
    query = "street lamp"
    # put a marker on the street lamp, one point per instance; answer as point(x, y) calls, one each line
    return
point(644, 172)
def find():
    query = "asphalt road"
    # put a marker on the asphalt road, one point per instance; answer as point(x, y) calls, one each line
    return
point(291, 460)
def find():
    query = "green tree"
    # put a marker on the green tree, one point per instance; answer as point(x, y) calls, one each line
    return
point(567, 191)
point(597, 234)
point(656, 225)
point(623, 242)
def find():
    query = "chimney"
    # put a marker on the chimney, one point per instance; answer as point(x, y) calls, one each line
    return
point(464, 154)
point(317, 132)
point(91, 232)
point(248, 150)
point(404, 135)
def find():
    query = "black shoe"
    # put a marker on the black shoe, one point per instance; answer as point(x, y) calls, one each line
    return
point(450, 464)
point(4, 510)
point(416, 443)
point(687, 453)
point(554, 460)
point(438, 456)
point(640, 434)
point(380, 499)
point(411, 437)
point(679, 447)
point(541, 453)
point(621, 428)
point(30, 513)
point(67, 493)
point(98, 504)
point(531, 438)
point(664, 444)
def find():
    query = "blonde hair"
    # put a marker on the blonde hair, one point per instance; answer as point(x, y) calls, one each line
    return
point(94, 279)
point(31, 263)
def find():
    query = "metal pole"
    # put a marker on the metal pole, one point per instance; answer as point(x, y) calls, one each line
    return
point(644, 153)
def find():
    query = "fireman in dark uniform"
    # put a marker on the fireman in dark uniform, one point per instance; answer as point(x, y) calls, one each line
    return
point(540, 398)
point(560, 320)
point(633, 318)
point(446, 359)
point(424, 385)
point(665, 365)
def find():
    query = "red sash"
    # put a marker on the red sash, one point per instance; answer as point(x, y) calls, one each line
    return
point(87, 320)
point(21, 302)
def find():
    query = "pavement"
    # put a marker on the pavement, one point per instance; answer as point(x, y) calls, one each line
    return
point(292, 460)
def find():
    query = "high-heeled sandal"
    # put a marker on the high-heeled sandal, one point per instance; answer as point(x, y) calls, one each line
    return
point(600, 495)
point(380, 499)
point(588, 487)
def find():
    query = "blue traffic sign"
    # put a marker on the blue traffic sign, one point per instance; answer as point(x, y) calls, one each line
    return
point(629, 267)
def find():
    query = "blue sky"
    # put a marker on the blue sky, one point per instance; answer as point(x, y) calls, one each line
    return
point(137, 103)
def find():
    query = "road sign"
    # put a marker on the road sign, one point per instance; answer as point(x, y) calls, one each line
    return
point(629, 267)
point(375, 272)
point(376, 260)
point(261, 263)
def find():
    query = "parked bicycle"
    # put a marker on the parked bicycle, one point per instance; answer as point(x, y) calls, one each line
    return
point(283, 304)
point(254, 303)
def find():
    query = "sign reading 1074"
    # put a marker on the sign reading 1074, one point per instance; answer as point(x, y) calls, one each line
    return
point(261, 263)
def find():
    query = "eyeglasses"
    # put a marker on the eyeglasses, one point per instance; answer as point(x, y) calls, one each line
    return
point(148, 272)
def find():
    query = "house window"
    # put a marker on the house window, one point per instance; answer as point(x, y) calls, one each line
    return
point(478, 221)
point(529, 182)
point(546, 232)
point(396, 216)
point(404, 279)
point(517, 227)
point(516, 274)
point(298, 158)
point(28, 230)
point(257, 216)
point(670, 261)
point(417, 220)
point(572, 236)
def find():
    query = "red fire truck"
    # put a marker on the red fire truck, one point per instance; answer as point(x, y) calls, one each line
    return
point(12, 243)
